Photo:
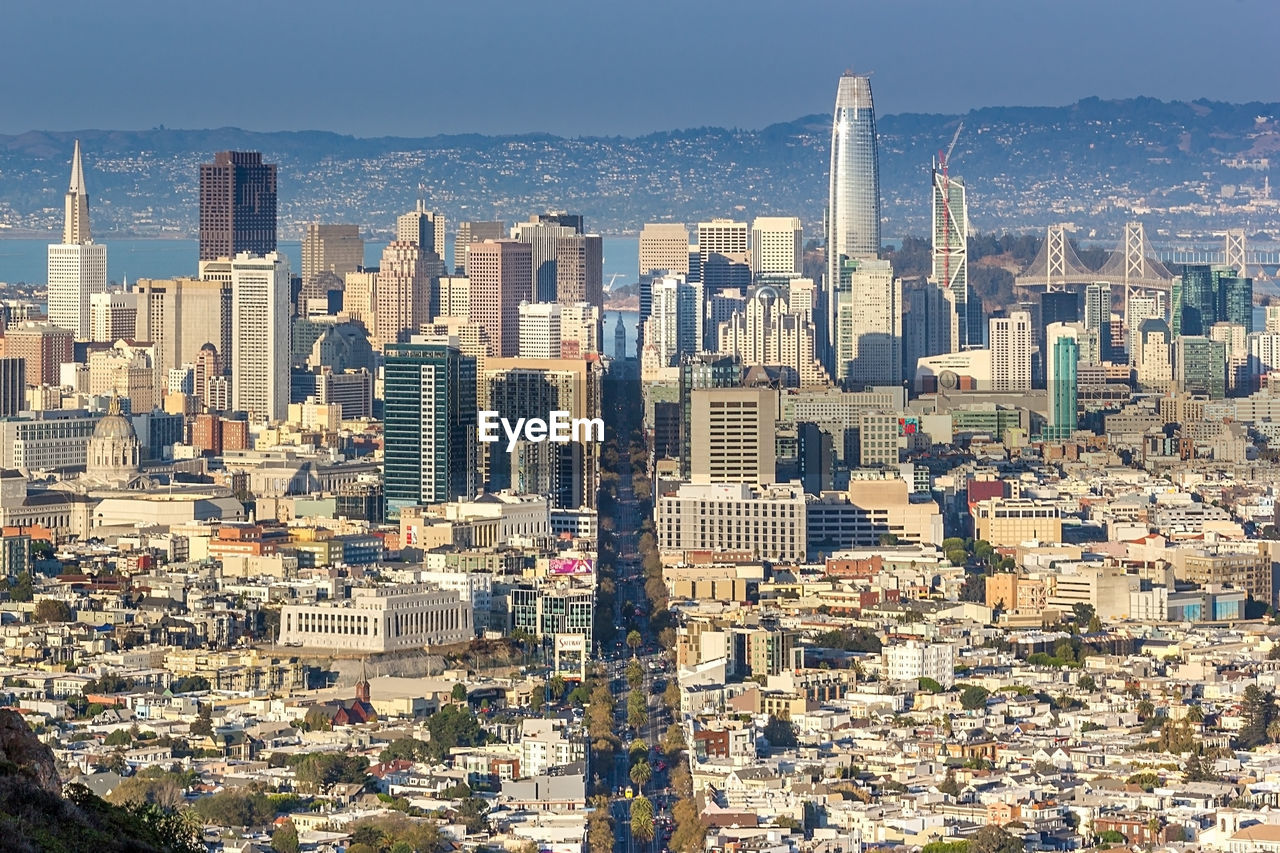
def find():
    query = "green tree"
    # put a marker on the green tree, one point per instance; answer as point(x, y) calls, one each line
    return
point(995, 839)
point(640, 774)
point(119, 737)
point(202, 726)
point(52, 610)
point(459, 692)
point(780, 733)
point(635, 673)
point(929, 685)
point(285, 838)
point(453, 725)
point(471, 813)
point(405, 749)
point(635, 641)
point(1258, 710)
point(949, 784)
point(600, 837)
point(973, 697)
point(637, 710)
point(690, 833)
point(316, 771)
point(642, 819)
point(673, 740)
point(22, 590)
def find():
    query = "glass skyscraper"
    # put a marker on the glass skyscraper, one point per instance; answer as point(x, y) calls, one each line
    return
point(1064, 358)
point(430, 425)
point(853, 202)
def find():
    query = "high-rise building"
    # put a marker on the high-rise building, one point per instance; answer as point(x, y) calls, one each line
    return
point(237, 205)
point(77, 266)
point(1061, 373)
point(733, 435)
point(1200, 366)
point(360, 291)
point(500, 272)
point(426, 228)
point(430, 425)
point(722, 255)
point(951, 255)
point(474, 232)
point(853, 201)
point(1264, 357)
point(770, 332)
point(696, 372)
point(403, 296)
point(1234, 340)
point(113, 316)
point(530, 388)
point(1097, 315)
point(1143, 306)
point(543, 233)
point(777, 249)
point(869, 329)
point(336, 249)
point(454, 296)
point(674, 328)
point(260, 350)
point(580, 270)
point(927, 324)
point(1150, 353)
point(180, 316)
point(1011, 352)
point(580, 330)
point(43, 347)
point(540, 330)
point(13, 386)
point(664, 248)
point(1235, 301)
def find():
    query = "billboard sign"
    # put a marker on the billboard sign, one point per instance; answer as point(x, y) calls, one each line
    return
point(571, 566)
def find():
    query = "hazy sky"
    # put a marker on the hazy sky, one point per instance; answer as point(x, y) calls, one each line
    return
point(419, 67)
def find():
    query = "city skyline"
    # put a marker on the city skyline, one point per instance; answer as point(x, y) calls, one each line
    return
point(628, 92)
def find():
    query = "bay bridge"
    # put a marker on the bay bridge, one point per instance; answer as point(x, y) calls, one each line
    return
point(1135, 264)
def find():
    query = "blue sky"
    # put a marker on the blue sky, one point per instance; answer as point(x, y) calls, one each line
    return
point(570, 67)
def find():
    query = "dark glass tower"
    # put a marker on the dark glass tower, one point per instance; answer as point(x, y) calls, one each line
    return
point(430, 425)
point(237, 205)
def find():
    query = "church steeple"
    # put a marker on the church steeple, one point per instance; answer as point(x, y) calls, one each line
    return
point(75, 228)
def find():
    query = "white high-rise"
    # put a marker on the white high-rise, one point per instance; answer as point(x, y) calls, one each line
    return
point(260, 353)
point(868, 324)
point(777, 248)
point(853, 200)
point(540, 329)
point(77, 265)
point(1011, 352)
point(673, 327)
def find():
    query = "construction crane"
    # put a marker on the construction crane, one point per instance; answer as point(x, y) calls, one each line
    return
point(613, 279)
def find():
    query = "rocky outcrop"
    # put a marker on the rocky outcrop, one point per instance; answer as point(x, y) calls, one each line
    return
point(22, 754)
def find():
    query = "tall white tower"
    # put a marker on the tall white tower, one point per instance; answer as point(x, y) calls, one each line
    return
point(77, 265)
point(260, 353)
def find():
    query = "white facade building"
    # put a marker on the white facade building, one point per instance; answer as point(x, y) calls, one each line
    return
point(260, 354)
point(1011, 352)
point(77, 265)
point(380, 619)
point(913, 660)
point(540, 329)
point(777, 248)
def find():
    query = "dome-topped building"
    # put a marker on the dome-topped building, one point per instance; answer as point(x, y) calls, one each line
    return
point(115, 453)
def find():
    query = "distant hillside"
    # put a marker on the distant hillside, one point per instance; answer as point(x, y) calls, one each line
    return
point(1180, 166)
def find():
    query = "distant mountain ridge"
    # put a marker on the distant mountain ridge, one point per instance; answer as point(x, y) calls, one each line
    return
point(1178, 165)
